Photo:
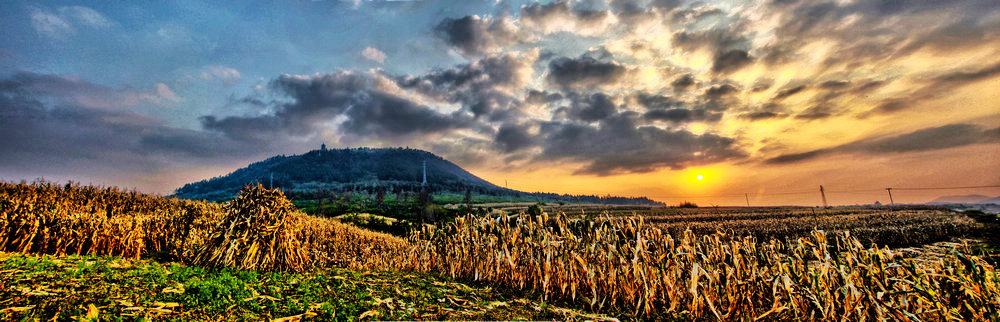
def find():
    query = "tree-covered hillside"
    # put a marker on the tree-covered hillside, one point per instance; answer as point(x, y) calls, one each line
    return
point(374, 171)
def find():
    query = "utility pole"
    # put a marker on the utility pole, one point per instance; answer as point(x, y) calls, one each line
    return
point(823, 194)
point(747, 195)
point(424, 183)
point(270, 185)
point(890, 196)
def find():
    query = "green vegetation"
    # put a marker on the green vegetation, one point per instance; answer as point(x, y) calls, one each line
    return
point(111, 288)
point(376, 175)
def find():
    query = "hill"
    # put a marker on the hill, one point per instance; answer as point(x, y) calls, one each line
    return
point(389, 171)
point(968, 199)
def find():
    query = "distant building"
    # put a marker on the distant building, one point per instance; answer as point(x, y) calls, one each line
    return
point(322, 147)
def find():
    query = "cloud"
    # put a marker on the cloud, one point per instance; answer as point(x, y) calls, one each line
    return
point(69, 89)
point(49, 131)
point(928, 139)
point(85, 16)
point(683, 83)
point(49, 24)
point(620, 145)
point(367, 105)
point(227, 75)
point(669, 109)
point(513, 137)
point(373, 54)
point(473, 35)
point(583, 72)
point(932, 87)
point(485, 87)
point(636, 6)
point(785, 93)
point(538, 97)
point(590, 108)
point(765, 112)
point(731, 61)
point(654, 102)
point(63, 22)
point(559, 16)
point(762, 115)
point(720, 91)
point(819, 111)
point(862, 35)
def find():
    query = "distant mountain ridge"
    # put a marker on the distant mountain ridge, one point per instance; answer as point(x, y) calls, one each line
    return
point(965, 199)
point(394, 169)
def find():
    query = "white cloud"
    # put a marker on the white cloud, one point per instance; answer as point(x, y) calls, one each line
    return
point(227, 75)
point(63, 22)
point(373, 54)
point(49, 24)
point(85, 16)
point(163, 91)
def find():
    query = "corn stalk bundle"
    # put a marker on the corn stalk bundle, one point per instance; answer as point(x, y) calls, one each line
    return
point(258, 232)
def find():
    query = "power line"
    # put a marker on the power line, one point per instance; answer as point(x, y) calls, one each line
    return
point(852, 191)
point(947, 188)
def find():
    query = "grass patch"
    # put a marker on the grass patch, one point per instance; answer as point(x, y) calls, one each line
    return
point(110, 288)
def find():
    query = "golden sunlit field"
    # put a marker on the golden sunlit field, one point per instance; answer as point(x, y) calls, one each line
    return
point(757, 264)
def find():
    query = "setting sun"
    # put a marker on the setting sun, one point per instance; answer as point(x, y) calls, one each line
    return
point(700, 177)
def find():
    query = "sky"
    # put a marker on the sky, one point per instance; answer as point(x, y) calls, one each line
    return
point(764, 100)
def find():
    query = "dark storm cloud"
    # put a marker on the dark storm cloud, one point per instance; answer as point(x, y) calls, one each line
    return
point(765, 112)
point(669, 109)
point(936, 138)
point(544, 14)
point(762, 115)
point(673, 115)
point(618, 144)
point(473, 35)
point(513, 137)
point(538, 97)
point(834, 84)
point(638, 6)
point(719, 91)
point(656, 102)
point(478, 86)
point(590, 108)
point(683, 82)
point(731, 61)
point(785, 93)
point(44, 128)
point(816, 112)
point(318, 99)
point(715, 40)
point(680, 115)
point(583, 72)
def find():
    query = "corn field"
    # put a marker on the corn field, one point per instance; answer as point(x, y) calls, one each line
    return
point(626, 264)
point(621, 265)
point(258, 230)
point(73, 219)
